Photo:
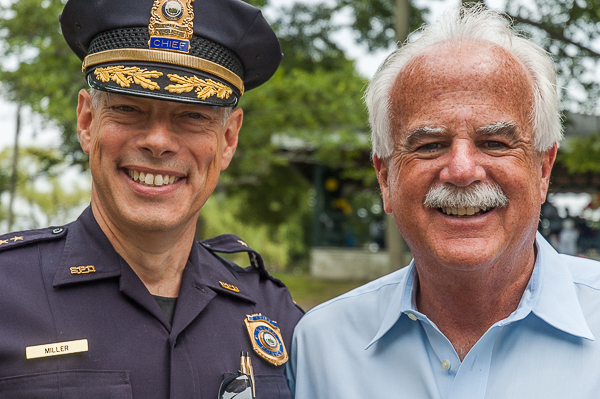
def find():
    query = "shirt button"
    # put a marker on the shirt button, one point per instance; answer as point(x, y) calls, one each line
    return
point(412, 317)
point(446, 365)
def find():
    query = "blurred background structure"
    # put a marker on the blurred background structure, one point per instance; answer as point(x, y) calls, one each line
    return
point(301, 189)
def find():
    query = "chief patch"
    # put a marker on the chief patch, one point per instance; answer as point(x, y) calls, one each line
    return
point(266, 339)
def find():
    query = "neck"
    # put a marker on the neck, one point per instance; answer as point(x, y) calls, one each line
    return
point(158, 258)
point(465, 304)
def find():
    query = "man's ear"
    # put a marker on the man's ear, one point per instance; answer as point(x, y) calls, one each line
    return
point(383, 178)
point(231, 131)
point(548, 159)
point(84, 120)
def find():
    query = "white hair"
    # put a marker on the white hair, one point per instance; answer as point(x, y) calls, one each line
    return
point(100, 96)
point(478, 24)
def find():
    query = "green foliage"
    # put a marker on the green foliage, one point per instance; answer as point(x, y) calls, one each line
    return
point(48, 76)
point(279, 246)
point(39, 187)
point(375, 20)
point(567, 29)
point(581, 155)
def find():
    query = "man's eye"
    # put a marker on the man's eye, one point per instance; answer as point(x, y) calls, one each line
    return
point(494, 145)
point(430, 147)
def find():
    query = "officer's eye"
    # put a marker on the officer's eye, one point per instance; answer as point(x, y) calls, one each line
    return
point(124, 108)
point(195, 115)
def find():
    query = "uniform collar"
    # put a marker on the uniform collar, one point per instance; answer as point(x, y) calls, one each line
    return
point(86, 245)
point(550, 295)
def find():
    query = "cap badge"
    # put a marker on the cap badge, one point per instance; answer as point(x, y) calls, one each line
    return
point(266, 339)
point(171, 25)
point(125, 76)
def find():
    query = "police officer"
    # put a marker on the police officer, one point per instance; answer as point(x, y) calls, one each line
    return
point(123, 302)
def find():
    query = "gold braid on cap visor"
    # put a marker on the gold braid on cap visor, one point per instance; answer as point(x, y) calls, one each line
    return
point(164, 57)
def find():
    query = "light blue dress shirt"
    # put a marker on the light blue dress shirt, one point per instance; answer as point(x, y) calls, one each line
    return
point(373, 343)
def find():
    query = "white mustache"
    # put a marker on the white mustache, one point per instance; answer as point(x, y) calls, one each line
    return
point(488, 195)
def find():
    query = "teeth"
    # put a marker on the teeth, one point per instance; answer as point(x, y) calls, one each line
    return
point(464, 211)
point(151, 180)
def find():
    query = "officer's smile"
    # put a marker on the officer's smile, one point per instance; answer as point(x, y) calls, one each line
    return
point(152, 179)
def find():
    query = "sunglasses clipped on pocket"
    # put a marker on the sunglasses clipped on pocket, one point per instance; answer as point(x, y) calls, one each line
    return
point(241, 384)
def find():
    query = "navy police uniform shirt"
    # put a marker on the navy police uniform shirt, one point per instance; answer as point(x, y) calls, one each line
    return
point(62, 286)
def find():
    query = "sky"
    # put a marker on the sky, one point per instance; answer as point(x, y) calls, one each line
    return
point(34, 131)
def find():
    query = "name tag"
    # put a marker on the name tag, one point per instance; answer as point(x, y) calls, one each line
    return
point(59, 348)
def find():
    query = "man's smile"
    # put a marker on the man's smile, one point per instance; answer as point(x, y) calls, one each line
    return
point(465, 211)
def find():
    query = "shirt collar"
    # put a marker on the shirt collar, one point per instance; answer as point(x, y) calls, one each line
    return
point(555, 300)
point(401, 301)
point(550, 294)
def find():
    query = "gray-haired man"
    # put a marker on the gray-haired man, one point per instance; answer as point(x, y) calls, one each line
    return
point(465, 130)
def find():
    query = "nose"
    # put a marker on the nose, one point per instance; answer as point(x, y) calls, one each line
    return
point(462, 168)
point(159, 139)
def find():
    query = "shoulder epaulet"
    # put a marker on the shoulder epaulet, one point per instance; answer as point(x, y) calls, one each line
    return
point(229, 243)
point(14, 240)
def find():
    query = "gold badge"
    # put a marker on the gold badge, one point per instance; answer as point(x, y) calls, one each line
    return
point(56, 349)
point(83, 269)
point(266, 339)
point(229, 287)
point(171, 25)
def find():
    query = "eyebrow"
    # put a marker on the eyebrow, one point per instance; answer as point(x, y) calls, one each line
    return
point(507, 129)
point(415, 135)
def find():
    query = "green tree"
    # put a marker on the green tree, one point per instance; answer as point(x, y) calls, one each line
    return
point(39, 191)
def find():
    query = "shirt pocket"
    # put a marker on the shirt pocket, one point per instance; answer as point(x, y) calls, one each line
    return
point(272, 386)
point(76, 384)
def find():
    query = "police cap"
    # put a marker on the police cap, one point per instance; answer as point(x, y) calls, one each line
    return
point(199, 51)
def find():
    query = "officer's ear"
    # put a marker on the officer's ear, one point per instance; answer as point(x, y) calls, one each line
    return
point(84, 120)
point(231, 132)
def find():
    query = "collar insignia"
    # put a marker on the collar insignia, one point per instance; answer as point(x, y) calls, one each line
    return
point(171, 25)
point(229, 287)
point(266, 339)
point(83, 269)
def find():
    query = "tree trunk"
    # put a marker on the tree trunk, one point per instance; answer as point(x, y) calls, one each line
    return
point(15, 164)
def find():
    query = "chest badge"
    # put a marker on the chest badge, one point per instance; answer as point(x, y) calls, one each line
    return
point(266, 339)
